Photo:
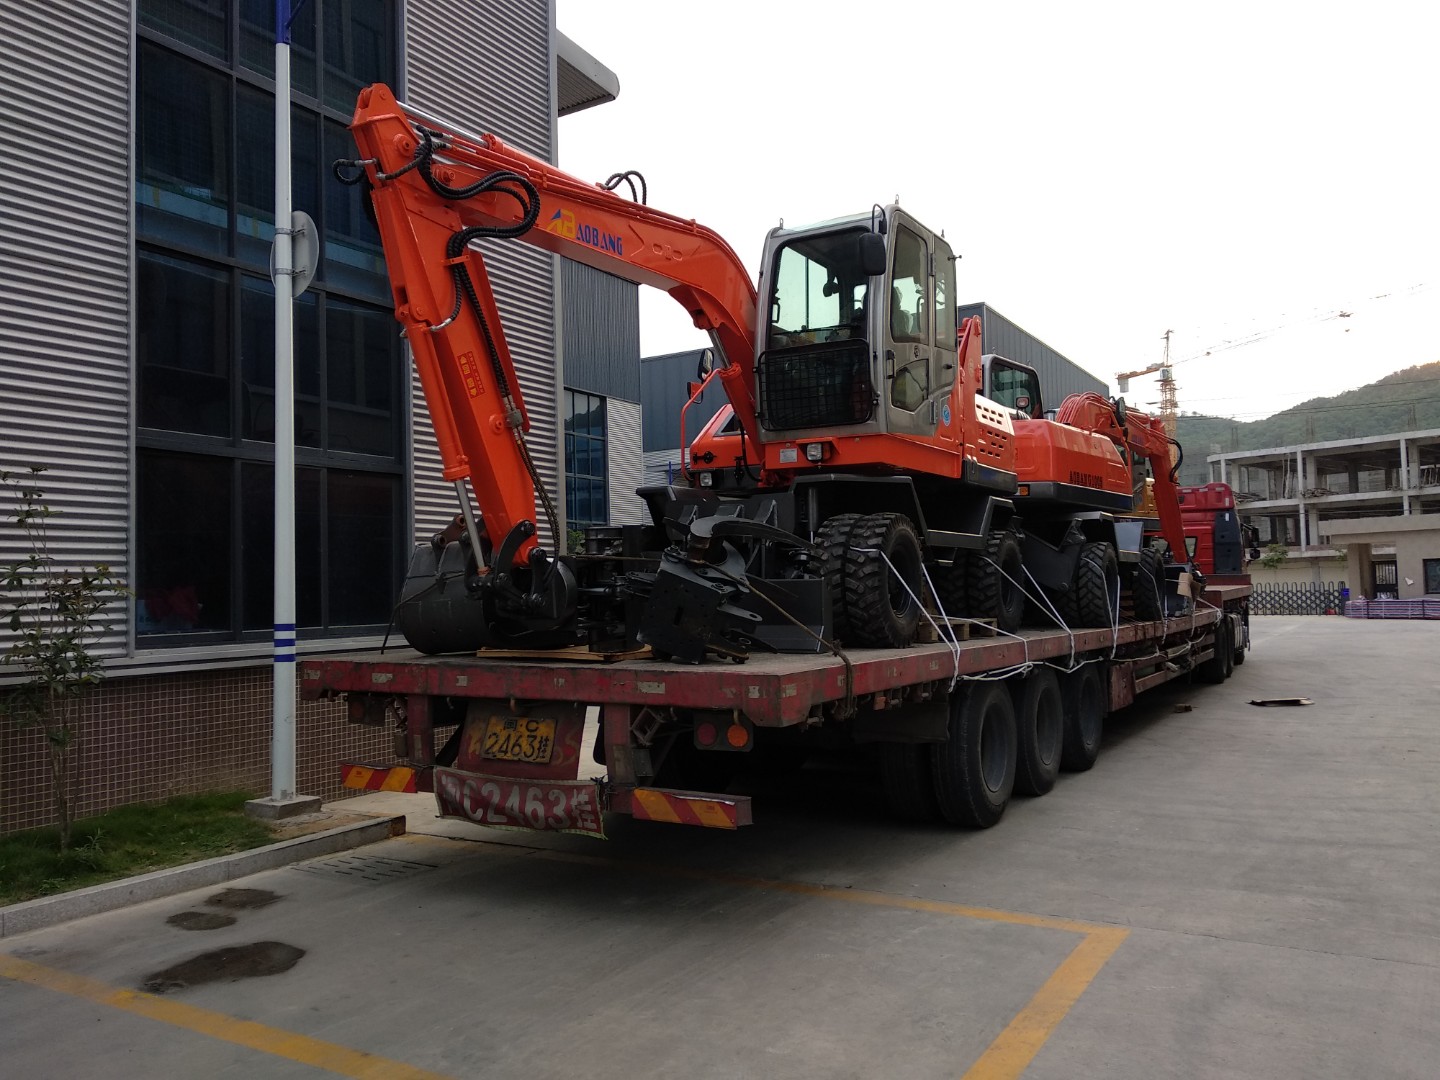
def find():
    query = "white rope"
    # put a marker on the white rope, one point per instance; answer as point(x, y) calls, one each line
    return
point(952, 642)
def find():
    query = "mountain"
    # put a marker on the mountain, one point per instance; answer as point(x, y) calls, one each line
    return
point(1403, 401)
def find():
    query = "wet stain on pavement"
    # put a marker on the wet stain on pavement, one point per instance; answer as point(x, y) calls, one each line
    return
point(242, 899)
point(201, 920)
point(225, 965)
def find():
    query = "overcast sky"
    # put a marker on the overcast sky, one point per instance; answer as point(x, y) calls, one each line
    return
point(1107, 171)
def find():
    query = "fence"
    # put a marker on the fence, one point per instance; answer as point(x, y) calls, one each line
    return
point(1423, 608)
point(1289, 598)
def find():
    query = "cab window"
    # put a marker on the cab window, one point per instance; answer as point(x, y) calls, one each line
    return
point(819, 292)
point(909, 289)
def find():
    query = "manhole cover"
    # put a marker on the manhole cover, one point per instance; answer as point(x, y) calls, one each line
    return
point(365, 869)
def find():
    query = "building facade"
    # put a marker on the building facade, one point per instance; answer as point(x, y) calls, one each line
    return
point(1371, 504)
point(137, 352)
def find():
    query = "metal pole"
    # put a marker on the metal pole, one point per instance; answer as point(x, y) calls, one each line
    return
point(282, 738)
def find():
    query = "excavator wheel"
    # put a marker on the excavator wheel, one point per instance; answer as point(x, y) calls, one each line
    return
point(994, 582)
point(833, 538)
point(1147, 587)
point(1097, 585)
point(881, 610)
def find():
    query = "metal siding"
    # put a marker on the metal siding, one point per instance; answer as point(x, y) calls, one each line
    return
point(65, 283)
point(492, 72)
point(624, 466)
point(663, 390)
point(1059, 375)
point(600, 326)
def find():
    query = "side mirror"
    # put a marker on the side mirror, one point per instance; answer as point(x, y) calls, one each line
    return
point(1120, 411)
point(1022, 403)
point(705, 365)
point(872, 254)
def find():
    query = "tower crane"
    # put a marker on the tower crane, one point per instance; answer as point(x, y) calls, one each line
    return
point(1169, 407)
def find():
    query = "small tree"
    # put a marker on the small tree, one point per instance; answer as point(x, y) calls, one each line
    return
point(1274, 555)
point(51, 613)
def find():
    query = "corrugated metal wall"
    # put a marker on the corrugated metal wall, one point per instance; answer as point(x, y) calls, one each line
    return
point(65, 264)
point(486, 66)
point(663, 391)
point(1059, 375)
point(625, 470)
point(600, 321)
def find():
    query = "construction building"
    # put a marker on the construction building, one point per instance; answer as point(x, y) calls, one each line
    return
point(137, 336)
point(1366, 510)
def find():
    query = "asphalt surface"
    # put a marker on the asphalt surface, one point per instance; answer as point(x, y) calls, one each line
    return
point(1234, 891)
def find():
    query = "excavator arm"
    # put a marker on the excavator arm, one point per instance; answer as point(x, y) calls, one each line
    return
point(1140, 435)
point(435, 190)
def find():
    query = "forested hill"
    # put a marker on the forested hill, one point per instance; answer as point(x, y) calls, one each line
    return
point(1403, 401)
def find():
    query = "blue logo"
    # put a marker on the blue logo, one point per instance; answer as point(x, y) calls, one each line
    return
point(945, 414)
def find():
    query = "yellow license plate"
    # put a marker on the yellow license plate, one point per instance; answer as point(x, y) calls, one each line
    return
point(519, 738)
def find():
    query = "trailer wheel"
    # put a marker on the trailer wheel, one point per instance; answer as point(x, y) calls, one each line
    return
point(1215, 670)
point(1039, 731)
point(993, 582)
point(1083, 693)
point(905, 778)
point(1147, 587)
point(881, 610)
point(974, 770)
point(1242, 641)
point(833, 538)
point(1097, 585)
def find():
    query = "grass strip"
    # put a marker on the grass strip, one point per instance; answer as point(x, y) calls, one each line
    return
point(127, 841)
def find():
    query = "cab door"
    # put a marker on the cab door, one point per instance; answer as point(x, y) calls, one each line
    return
point(909, 334)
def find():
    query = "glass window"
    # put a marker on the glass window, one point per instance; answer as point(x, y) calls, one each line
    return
point(361, 511)
point(947, 329)
point(183, 350)
point(183, 174)
point(818, 291)
point(182, 569)
point(909, 289)
point(587, 501)
point(206, 324)
point(201, 24)
point(1432, 575)
point(359, 48)
point(362, 378)
point(1015, 388)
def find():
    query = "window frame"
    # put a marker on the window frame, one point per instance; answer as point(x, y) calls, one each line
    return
point(242, 263)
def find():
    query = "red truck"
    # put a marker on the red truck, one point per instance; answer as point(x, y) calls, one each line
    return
point(886, 501)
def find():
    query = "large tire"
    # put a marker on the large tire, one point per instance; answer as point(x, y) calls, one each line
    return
point(995, 582)
point(833, 540)
point(883, 612)
point(1242, 641)
point(905, 777)
point(1215, 670)
point(1147, 587)
point(1083, 692)
point(974, 769)
point(1097, 585)
point(1039, 731)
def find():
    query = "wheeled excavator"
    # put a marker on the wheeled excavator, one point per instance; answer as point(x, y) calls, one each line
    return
point(877, 459)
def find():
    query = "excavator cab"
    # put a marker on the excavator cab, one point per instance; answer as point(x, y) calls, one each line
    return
point(859, 328)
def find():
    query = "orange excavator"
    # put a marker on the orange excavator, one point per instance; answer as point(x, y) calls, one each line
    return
point(871, 456)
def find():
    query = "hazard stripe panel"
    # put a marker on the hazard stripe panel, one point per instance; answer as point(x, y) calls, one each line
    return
point(679, 808)
point(377, 778)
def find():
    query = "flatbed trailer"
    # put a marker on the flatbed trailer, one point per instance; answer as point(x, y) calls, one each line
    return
point(498, 738)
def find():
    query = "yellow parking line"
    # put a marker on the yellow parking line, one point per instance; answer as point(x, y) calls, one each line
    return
point(1015, 1047)
point(286, 1044)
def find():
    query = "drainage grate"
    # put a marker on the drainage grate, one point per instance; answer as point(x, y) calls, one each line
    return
point(365, 869)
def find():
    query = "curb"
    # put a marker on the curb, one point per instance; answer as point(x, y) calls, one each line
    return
point(51, 910)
